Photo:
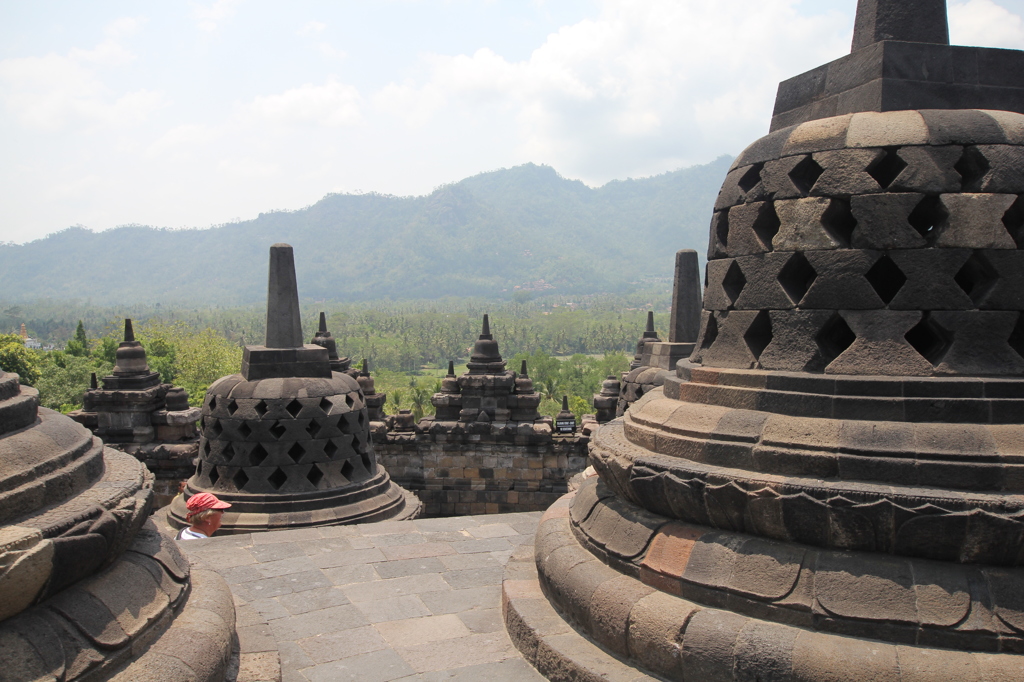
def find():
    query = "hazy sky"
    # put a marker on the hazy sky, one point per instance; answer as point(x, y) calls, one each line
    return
point(183, 114)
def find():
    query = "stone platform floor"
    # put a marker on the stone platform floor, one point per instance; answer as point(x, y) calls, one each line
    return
point(417, 601)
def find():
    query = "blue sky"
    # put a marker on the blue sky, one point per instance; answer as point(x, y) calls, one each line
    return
point(187, 114)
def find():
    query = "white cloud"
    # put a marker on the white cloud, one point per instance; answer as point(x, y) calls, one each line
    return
point(312, 28)
point(209, 17)
point(332, 105)
point(180, 142)
point(982, 22)
point(647, 86)
point(125, 26)
point(52, 92)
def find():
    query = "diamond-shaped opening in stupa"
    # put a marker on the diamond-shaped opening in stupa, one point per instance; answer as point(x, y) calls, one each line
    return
point(887, 168)
point(751, 177)
point(886, 278)
point(972, 167)
point(733, 282)
point(834, 338)
point(759, 334)
point(929, 339)
point(977, 278)
point(805, 174)
point(277, 479)
point(796, 277)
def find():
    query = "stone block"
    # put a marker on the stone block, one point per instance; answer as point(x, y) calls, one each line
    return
point(765, 569)
point(709, 643)
point(761, 288)
point(655, 628)
point(979, 343)
point(764, 651)
point(841, 283)
point(930, 279)
point(811, 224)
point(1007, 290)
point(929, 170)
point(610, 607)
point(845, 172)
point(778, 177)
point(751, 228)
point(900, 128)
point(730, 349)
point(767, 148)
point(975, 221)
point(962, 126)
point(883, 221)
point(819, 135)
point(794, 347)
point(819, 656)
point(881, 347)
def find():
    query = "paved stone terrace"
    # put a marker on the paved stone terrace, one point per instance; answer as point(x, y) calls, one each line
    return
point(417, 601)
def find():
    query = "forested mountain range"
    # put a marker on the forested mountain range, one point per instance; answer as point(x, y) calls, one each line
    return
point(524, 228)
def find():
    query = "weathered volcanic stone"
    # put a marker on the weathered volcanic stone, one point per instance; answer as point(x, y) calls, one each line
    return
point(287, 441)
point(86, 582)
point(829, 488)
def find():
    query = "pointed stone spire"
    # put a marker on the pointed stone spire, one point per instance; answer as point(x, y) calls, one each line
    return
point(284, 324)
point(365, 371)
point(684, 326)
point(649, 332)
point(911, 21)
point(565, 403)
point(284, 355)
point(451, 368)
point(93, 384)
point(522, 370)
point(129, 332)
point(323, 322)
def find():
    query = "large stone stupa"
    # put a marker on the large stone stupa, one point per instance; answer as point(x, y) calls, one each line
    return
point(89, 589)
point(287, 440)
point(832, 486)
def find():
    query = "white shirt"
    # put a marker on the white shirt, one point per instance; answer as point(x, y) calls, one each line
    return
point(189, 534)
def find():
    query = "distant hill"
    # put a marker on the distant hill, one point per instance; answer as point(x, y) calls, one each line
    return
point(524, 227)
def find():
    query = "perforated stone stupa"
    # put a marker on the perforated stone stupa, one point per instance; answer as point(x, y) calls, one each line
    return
point(287, 440)
point(832, 486)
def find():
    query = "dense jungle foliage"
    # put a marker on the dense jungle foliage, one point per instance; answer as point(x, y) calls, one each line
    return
point(570, 345)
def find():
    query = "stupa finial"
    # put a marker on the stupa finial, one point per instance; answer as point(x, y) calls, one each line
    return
point(284, 325)
point(522, 370)
point(323, 322)
point(912, 21)
point(129, 332)
point(485, 333)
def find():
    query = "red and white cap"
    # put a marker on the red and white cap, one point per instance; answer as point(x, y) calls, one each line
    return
point(201, 502)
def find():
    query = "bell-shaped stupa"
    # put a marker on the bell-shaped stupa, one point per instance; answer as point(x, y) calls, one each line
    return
point(287, 440)
point(90, 590)
point(832, 486)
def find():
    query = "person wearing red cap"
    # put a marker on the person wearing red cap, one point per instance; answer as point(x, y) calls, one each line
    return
point(204, 516)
